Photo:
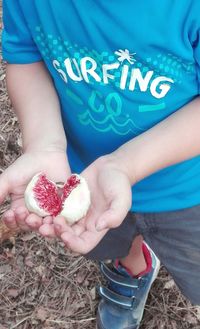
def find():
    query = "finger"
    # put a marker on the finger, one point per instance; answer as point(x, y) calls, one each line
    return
point(4, 187)
point(114, 216)
point(9, 219)
point(47, 220)
point(84, 243)
point(47, 230)
point(33, 221)
point(78, 228)
point(21, 214)
point(61, 226)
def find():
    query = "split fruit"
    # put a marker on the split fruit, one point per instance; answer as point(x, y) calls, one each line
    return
point(44, 197)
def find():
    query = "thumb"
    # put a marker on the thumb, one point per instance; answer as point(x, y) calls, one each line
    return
point(113, 216)
point(4, 187)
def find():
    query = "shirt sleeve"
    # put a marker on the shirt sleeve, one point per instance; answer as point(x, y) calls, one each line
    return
point(194, 35)
point(18, 46)
point(196, 47)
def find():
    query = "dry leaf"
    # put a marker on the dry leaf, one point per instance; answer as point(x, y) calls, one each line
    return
point(169, 284)
point(13, 292)
point(28, 262)
point(93, 293)
point(5, 269)
point(80, 277)
point(2, 77)
point(41, 314)
point(28, 236)
point(189, 318)
point(197, 309)
point(40, 270)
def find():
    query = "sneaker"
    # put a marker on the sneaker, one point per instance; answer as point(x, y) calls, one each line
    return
point(123, 300)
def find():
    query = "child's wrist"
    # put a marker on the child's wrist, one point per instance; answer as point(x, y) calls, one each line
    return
point(117, 160)
point(60, 146)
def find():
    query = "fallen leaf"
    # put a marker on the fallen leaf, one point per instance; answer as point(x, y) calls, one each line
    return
point(41, 314)
point(190, 319)
point(5, 269)
point(73, 308)
point(28, 236)
point(13, 292)
point(40, 269)
point(169, 284)
point(80, 277)
point(197, 309)
point(93, 293)
point(28, 262)
point(2, 77)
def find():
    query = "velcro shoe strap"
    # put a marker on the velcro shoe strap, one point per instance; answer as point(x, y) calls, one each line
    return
point(117, 278)
point(111, 296)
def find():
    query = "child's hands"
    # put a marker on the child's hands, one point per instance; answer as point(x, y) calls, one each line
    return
point(110, 201)
point(14, 179)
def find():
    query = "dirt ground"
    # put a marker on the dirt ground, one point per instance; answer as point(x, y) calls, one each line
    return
point(43, 286)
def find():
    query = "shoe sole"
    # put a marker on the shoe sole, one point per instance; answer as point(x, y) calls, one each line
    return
point(112, 328)
point(99, 325)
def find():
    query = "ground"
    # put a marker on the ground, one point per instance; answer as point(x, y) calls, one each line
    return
point(43, 286)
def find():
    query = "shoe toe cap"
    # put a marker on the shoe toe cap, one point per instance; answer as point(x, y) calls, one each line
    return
point(109, 316)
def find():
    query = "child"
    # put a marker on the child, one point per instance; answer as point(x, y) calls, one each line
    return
point(117, 84)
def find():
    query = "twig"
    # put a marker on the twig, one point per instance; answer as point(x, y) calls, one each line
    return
point(72, 321)
point(17, 324)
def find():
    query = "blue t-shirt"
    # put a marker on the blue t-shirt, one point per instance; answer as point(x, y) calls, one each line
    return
point(119, 68)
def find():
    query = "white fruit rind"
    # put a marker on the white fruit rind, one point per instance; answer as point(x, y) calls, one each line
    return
point(77, 203)
point(30, 201)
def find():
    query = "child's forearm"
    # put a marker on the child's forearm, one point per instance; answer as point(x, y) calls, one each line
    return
point(37, 107)
point(173, 140)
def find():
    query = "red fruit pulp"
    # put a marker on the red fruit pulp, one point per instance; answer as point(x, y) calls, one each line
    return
point(72, 182)
point(45, 192)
